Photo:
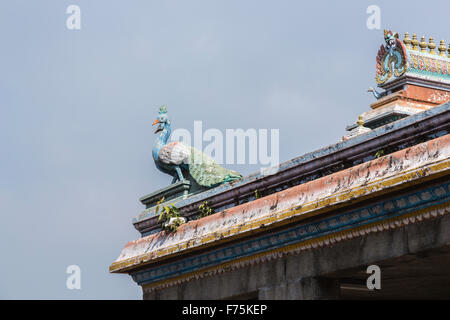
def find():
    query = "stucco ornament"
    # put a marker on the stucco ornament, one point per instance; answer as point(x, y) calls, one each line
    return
point(185, 162)
point(391, 58)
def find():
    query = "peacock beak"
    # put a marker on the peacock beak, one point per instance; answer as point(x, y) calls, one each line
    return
point(159, 128)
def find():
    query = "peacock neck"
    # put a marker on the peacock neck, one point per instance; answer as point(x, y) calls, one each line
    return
point(162, 139)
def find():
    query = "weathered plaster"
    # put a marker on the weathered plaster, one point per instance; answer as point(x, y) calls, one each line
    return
point(282, 278)
point(348, 186)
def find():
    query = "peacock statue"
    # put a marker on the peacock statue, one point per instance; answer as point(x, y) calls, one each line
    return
point(185, 162)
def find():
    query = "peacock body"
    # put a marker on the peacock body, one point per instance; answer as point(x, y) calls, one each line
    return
point(176, 158)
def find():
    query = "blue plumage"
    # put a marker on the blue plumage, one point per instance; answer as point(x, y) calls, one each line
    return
point(180, 160)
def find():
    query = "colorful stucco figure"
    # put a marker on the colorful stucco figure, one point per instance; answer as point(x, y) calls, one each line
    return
point(411, 58)
point(391, 58)
point(185, 162)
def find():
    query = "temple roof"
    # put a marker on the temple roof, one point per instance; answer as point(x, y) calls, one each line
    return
point(405, 167)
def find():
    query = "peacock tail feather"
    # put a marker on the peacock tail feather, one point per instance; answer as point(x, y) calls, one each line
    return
point(207, 172)
point(175, 158)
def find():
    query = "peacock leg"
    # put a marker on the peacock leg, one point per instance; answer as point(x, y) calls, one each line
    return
point(180, 174)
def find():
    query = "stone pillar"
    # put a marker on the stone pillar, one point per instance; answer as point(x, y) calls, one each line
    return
point(313, 288)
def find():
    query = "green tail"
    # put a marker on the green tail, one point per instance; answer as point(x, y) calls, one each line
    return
point(207, 172)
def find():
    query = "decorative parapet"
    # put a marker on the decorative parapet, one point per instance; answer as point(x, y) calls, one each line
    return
point(396, 58)
point(413, 79)
point(316, 198)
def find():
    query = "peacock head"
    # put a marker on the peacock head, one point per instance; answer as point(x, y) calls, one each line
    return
point(390, 38)
point(162, 119)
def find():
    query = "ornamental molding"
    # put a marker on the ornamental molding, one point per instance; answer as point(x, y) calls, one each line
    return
point(395, 59)
point(144, 279)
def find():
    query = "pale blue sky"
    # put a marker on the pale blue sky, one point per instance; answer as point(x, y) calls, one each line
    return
point(76, 109)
